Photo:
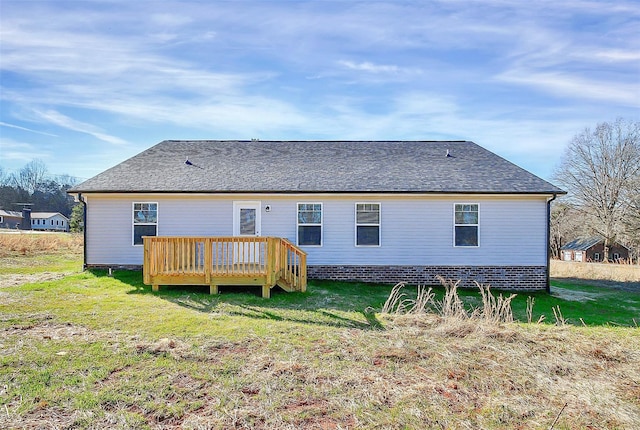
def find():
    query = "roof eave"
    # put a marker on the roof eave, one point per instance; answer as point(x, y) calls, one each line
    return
point(466, 192)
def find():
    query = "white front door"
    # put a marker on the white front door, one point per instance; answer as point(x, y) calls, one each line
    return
point(246, 223)
point(246, 218)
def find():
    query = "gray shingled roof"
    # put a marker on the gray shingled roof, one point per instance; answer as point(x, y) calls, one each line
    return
point(317, 166)
point(582, 244)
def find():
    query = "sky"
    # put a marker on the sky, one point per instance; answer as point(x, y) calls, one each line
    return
point(84, 85)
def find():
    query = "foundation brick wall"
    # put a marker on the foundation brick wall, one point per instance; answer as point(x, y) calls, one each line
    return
point(520, 278)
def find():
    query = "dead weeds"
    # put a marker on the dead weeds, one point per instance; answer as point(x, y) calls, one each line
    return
point(26, 243)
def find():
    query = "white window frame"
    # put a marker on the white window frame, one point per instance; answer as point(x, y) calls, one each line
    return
point(379, 224)
point(1, 219)
point(321, 224)
point(133, 223)
point(477, 225)
point(596, 256)
point(616, 256)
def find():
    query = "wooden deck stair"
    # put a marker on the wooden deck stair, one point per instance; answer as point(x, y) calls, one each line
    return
point(228, 260)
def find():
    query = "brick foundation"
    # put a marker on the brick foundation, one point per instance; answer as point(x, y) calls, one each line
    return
point(136, 267)
point(521, 278)
point(516, 278)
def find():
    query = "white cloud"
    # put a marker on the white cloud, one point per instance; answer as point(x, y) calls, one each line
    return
point(370, 67)
point(18, 152)
point(568, 85)
point(618, 55)
point(64, 121)
point(17, 127)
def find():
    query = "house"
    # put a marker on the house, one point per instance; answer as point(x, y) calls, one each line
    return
point(10, 219)
point(49, 221)
point(592, 249)
point(374, 211)
point(27, 220)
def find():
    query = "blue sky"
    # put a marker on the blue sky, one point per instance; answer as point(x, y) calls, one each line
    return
point(85, 85)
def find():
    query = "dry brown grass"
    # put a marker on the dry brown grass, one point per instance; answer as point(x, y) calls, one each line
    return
point(25, 243)
point(522, 376)
point(493, 310)
point(595, 271)
point(421, 372)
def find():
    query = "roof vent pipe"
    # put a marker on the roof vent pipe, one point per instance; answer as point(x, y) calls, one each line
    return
point(448, 154)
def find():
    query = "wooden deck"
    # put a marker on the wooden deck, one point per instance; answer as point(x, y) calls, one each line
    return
point(233, 260)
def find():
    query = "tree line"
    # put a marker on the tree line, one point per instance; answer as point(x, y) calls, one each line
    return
point(33, 184)
point(600, 170)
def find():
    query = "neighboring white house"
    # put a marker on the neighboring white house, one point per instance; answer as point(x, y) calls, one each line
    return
point(372, 211)
point(49, 221)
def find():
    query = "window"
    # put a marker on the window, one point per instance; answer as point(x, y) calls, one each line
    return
point(596, 256)
point(145, 221)
point(616, 256)
point(466, 225)
point(310, 224)
point(367, 224)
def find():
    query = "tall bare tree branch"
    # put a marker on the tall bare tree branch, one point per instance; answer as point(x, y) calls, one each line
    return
point(600, 170)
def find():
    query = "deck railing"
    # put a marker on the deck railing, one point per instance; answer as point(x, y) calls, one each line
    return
point(231, 260)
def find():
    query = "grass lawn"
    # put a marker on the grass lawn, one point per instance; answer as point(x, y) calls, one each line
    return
point(91, 351)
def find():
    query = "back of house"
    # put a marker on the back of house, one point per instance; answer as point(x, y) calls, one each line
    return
point(374, 211)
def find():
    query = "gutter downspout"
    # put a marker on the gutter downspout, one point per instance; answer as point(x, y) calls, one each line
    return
point(548, 287)
point(84, 229)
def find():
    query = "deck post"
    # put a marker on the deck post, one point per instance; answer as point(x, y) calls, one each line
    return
point(146, 262)
point(303, 273)
point(155, 288)
point(266, 292)
point(272, 257)
point(213, 289)
point(208, 260)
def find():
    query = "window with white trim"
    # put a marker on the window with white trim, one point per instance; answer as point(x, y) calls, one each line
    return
point(145, 221)
point(367, 224)
point(596, 256)
point(310, 224)
point(466, 224)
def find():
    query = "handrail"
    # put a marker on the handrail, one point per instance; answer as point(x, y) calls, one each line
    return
point(205, 259)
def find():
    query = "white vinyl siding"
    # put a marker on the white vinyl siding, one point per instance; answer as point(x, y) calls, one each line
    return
point(415, 230)
point(367, 224)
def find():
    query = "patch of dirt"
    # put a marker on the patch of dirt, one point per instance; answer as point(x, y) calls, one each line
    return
point(574, 296)
point(15, 279)
point(53, 331)
point(604, 284)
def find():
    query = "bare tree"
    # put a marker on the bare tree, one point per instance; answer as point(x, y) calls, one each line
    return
point(31, 176)
point(632, 220)
point(599, 170)
point(5, 178)
point(566, 225)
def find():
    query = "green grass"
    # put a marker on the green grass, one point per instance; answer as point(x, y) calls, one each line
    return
point(579, 304)
point(64, 263)
point(93, 351)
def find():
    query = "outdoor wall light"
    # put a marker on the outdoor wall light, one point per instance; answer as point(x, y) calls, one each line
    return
point(267, 208)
